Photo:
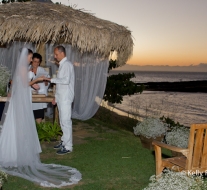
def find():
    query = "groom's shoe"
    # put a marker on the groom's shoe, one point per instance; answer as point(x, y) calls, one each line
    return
point(58, 146)
point(63, 151)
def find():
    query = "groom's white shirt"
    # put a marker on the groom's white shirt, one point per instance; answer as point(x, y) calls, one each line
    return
point(64, 82)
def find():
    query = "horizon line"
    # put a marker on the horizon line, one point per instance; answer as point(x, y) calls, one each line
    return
point(192, 65)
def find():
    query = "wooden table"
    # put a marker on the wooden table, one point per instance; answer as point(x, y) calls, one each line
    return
point(41, 98)
point(36, 98)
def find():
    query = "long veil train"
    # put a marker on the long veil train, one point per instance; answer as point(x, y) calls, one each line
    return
point(19, 143)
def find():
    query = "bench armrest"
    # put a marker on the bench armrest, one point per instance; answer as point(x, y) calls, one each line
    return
point(184, 151)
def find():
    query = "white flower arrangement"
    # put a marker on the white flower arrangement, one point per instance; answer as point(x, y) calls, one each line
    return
point(178, 137)
point(3, 177)
point(4, 79)
point(171, 180)
point(150, 128)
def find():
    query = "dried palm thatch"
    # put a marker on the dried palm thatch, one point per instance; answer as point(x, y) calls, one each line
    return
point(50, 23)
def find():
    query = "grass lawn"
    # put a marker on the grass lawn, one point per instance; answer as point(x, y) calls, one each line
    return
point(109, 158)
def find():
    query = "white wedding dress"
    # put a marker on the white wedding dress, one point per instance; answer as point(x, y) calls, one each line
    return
point(19, 143)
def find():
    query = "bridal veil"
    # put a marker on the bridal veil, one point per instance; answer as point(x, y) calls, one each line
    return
point(19, 143)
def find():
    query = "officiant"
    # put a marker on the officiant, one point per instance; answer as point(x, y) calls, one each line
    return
point(34, 72)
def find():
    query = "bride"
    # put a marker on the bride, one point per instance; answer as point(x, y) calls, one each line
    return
point(19, 143)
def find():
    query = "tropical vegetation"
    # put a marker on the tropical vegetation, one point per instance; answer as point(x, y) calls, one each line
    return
point(120, 85)
point(48, 131)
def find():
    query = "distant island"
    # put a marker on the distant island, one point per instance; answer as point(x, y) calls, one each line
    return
point(202, 67)
point(183, 86)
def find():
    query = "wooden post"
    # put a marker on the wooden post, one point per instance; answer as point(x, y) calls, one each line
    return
point(41, 49)
point(55, 115)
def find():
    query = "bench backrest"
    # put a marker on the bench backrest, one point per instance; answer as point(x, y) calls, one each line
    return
point(197, 147)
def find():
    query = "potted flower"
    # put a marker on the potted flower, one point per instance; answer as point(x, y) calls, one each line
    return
point(176, 135)
point(3, 178)
point(150, 129)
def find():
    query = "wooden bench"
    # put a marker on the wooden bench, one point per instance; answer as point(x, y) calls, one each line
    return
point(194, 159)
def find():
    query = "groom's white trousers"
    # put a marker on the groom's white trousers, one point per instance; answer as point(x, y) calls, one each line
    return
point(64, 109)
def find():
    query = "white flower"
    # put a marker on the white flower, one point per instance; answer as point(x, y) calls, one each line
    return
point(178, 137)
point(150, 127)
point(4, 79)
point(176, 180)
point(3, 177)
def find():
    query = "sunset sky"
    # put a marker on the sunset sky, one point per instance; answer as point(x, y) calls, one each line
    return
point(165, 32)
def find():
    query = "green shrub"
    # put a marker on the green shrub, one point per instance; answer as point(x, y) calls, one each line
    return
point(120, 85)
point(171, 124)
point(48, 131)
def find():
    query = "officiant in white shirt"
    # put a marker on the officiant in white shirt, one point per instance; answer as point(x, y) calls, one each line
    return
point(64, 96)
point(34, 72)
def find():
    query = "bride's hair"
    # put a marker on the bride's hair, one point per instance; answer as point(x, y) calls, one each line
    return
point(30, 51)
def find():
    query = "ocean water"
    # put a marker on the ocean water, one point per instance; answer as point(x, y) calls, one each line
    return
point(185, 108)
point(160, 76)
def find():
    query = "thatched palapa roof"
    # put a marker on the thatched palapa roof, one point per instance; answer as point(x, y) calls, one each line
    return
point(47, 22)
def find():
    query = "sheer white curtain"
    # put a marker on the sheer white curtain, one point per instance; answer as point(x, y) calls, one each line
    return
point(9, 55)
point(90, 79)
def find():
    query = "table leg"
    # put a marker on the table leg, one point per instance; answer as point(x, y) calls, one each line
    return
point(55, 114)
point(2, 104)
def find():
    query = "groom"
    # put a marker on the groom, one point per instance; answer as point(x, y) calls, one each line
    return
point(64, 96)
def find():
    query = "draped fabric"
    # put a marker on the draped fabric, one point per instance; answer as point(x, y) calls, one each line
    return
point(90, 75)
point(9, 55)
point(90, 79)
